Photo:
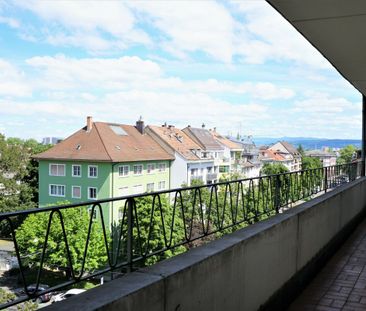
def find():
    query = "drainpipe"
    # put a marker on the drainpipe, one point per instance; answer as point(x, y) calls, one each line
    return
point(363, 151)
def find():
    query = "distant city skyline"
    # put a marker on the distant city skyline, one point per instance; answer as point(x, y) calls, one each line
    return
point(237, 66)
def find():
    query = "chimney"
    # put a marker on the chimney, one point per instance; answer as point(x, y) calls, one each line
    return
point(214, 129)
point(140, 125)
point(89, 123)
point(203, 125)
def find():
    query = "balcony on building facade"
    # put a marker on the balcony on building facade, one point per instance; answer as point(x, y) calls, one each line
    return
point(211, 176)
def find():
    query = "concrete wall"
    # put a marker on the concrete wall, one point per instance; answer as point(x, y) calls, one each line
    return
point(241, 271)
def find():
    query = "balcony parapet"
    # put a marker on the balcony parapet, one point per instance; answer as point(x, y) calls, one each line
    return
point(247, 201)
point(278, 253)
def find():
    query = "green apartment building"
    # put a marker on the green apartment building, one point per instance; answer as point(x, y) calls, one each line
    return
point(103, 160)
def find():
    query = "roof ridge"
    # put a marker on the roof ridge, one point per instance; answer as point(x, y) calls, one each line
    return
point(105, 148)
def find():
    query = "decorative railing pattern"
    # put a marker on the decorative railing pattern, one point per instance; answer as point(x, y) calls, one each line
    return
point(154, 226)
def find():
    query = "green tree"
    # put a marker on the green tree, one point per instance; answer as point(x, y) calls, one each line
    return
point(273, 169)
point(346, 154)
point(231, 176)
point(156, 227)
point(14, 195)
point(6, 296)
point(31, 236)
point(33, 147)
point(311, 163)
point(199, 213)
point(301, 150)
point(18, 177)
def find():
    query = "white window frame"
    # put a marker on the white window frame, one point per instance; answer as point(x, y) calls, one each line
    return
point(120, 190)
point(142, 169)
point(123, 170)
point(72, 170)
point(153, 187)
point(89, 167)
point(160, 183)
point(96, 193)
point(152, 168)
point(135, 186)
point(72, 192)
point(56, 195)
point(162, 167)
point(49, 169)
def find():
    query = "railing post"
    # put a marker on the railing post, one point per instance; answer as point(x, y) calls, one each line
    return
point(129, 234)
point(277, 194)
point(326, 179)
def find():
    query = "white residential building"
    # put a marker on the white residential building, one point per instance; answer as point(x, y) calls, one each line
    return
point(191, 162)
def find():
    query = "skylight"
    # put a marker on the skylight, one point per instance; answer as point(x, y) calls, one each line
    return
point(118, 130)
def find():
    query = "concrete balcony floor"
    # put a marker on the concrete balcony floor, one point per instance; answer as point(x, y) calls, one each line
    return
point(341, 284)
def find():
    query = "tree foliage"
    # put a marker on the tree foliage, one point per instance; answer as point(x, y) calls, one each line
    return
point(346, 154)
point(31, 236)
point(7, 296)
point(18, 176)
point(156, 227)
point(301, 150)
point(273, 169)
point(310, 163)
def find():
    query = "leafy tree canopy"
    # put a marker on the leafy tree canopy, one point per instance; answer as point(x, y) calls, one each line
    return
point(18, 176)
point(32, 233)
point(311, 163)
point(159, 226)
point(346, 154)
point(301, 150)
point(273, 168)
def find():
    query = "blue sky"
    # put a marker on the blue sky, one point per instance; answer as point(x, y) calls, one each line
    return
point(236, 66)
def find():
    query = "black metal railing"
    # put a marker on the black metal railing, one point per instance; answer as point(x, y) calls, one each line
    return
point(153, 226)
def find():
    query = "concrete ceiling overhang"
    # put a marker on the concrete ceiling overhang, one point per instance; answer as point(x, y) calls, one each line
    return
point(337, 28)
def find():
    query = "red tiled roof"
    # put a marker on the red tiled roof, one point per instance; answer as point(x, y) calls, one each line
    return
point(224, 141)
point(104, 142)
point(270, 154)
point(177, 140)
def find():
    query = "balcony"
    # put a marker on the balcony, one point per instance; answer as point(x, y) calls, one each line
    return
point(259, 226)
point(211, 176)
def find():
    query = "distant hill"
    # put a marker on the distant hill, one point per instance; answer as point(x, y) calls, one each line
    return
point(309, 142)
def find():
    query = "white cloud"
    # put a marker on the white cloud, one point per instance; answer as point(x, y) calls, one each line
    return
point(192, 26)
point(12, 81)
point(266, 35)
point(319, 103)
point(87, 24)
point(11, 22)
point(250, 30)
point(121, 89)
point(38, 108)
point(126, 73)
point(60, 72)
